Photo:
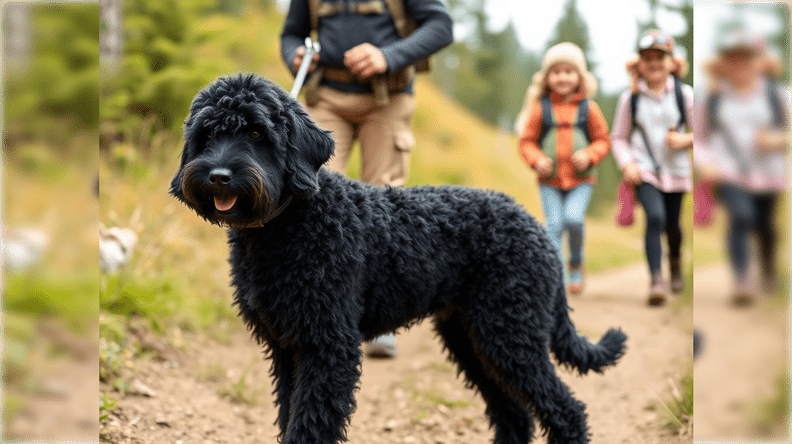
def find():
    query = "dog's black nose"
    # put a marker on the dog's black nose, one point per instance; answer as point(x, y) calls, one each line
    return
point(220, 176)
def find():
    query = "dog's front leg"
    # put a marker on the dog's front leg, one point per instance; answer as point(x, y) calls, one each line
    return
point(323, 398)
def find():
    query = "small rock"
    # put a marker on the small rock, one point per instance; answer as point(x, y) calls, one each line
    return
point(409, 439)
point(138, 388)
point(390, 425)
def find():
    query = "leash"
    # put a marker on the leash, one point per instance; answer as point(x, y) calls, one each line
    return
point(311, 48)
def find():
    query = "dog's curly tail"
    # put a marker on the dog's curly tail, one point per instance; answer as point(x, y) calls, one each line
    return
point(576, 351)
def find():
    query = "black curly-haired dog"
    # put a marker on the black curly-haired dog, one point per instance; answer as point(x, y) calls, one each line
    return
point(321, 263)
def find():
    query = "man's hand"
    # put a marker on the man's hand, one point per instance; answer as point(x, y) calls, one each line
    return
point(544, 166)
point(679, 141)
point(298, 58)
point(365, 60)
point(580, 160)
point(632, 174)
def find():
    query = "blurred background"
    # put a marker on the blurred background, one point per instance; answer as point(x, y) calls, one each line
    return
point(741, 378)
point(50, 214)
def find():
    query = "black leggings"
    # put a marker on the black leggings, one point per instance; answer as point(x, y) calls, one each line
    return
point(749, 212)
point(662, 214)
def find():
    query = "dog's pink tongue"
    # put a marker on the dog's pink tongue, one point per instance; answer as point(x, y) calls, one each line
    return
point(224, 205)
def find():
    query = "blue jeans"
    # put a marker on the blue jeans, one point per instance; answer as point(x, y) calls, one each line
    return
point(565, 210)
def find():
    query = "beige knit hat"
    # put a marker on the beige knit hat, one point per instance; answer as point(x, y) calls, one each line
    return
point(564, 52)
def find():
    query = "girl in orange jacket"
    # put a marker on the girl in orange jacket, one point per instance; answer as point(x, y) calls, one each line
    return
point(563, 135)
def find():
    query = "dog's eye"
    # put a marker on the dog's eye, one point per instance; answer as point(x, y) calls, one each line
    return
point(255, 135)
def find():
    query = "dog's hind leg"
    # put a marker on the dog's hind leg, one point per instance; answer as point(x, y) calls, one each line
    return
point(515, 346)
point(511, 421)
point(326, 376)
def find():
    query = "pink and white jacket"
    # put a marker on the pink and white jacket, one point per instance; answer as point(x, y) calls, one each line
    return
point(656, 113)
point(743, 117)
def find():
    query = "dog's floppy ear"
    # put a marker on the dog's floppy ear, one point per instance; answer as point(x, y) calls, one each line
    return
point(308, 148)
point(199, 106)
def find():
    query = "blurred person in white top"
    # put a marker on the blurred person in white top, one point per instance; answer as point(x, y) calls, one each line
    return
point(740, 145)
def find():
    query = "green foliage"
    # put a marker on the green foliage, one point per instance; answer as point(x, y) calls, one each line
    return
point(60, 77)
point(240, 392)
point(489, 73)
point(159, 73)
point(107, 405)
point(156, 299)
point(72, 299)
point(572, 27)
point(678, 410)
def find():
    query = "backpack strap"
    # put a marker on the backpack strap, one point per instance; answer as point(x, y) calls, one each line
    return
point(641, 130)
point(582, 118)
point(776, 104)
point(396, 10)
point(633, 110)
point(713, 103)
point(405, 25)
point(313, 14)
point(680, 100)
point(547, 118)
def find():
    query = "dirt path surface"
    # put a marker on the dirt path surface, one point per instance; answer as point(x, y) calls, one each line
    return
point(417, 398)
point(744, 354)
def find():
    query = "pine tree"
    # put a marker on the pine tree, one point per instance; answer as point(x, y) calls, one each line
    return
point(572, 28)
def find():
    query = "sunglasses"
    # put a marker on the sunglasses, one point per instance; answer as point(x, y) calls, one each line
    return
point(655, 40)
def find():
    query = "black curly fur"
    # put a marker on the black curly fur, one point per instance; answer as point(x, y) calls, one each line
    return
point(346, 261)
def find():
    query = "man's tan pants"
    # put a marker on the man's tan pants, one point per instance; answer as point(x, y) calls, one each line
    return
point(384, 133)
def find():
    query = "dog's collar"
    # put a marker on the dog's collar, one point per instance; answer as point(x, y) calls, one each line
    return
point(278, 210)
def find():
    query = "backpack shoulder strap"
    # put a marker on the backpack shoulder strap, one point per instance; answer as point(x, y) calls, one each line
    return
point(547, 117)
point(713, 102)
point(313, 13)
point(396, 9)
point(633, 110)
point(680, 100)
point(776, 104)
point(405, 25)
point(583, 117)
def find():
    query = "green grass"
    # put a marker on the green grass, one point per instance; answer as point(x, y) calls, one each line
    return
point(677, 410)
point(72, 299)
point(772, 414)
point(239, 391)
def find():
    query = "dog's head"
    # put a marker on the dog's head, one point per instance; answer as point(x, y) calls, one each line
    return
point(248, 148)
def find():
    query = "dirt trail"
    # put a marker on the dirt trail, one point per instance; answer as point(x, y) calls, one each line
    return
point(744, 354)
point(417, 398)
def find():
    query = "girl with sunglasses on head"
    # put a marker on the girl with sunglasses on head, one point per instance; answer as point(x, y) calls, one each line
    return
point(741, 143)
point(650, 144)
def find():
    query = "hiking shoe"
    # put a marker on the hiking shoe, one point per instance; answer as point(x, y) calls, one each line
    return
point(677, 281)
point(770, 283)
point(743, 294)
point(382, 346)
point(575, 279)
point(657, 291)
